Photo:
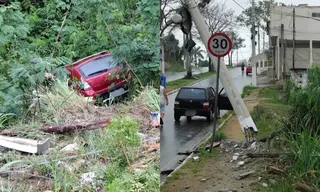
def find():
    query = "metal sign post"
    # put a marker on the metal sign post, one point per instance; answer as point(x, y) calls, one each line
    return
point(219, 45)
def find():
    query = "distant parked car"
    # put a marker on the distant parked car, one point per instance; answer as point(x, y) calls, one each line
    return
point(248, 69)
point(194, 101)
point(98, 75)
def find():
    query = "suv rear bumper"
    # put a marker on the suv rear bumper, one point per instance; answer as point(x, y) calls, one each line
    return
point(199, 112)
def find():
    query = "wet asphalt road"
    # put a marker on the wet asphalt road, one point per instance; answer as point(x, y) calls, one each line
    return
point(183, 136)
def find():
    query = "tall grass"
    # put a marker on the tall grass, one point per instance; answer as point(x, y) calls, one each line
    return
point(304, 129)
point(4, 118)
point(150, 96)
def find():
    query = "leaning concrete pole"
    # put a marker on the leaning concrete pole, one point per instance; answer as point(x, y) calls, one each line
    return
point(240, 109)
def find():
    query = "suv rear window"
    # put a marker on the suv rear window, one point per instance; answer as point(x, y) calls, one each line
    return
point(98, 66)
point(192, 93)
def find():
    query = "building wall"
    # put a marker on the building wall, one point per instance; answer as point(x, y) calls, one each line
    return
point(302, 58)
point(306, 28)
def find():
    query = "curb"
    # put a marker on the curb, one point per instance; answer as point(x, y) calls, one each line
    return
point(189, 157)
point(176, 90)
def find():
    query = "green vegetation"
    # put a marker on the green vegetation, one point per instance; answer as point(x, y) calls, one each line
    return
point(247, 90)
point(47, 35)
point(298, 113)
point(184, 81)
point(176, 67)
point(40, 37)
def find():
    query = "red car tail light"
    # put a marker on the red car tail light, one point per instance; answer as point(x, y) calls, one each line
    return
point(176, 104)
point(205, 105)
point(84, 85)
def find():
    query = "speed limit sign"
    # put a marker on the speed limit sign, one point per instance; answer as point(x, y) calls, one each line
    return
point(219, 44)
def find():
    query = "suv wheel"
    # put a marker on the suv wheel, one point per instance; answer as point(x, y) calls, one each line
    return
point(176, 117)
point(189, 118)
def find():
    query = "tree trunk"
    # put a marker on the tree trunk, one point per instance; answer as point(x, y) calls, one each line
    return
point(211, 69)
point(230, 63)
point(76, 127)
point(189, 67)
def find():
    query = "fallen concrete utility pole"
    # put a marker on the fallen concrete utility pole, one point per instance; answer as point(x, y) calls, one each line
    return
point(25, 145)
point(76, 127)
point(240, 109)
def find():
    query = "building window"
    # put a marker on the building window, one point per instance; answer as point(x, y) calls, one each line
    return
point(315, 14)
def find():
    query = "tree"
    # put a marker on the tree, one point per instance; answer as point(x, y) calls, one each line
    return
point(218, 18)
point(172, 51)
point(167, 9)
point(197, 53)
point(237, 43)
point(262, 14)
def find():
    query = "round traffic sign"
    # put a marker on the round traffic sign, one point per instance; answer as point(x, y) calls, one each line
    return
point(219, 44)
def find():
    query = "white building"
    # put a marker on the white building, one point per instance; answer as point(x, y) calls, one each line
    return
point(307, 39)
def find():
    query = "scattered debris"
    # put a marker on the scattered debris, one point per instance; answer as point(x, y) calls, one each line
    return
point(195, 158)
point(253, 146)
point(227, 190)
point(304, 188)
point(266, 155)
point(203, 180)
point(152, 147)
point(274, 170)
point(25, 145)
point(244, 175)
point(87, 178)
point(235, 157)
point(215, 144)
point(70, 148)
point(73, 127)
point(264, 185)
point(240, 163)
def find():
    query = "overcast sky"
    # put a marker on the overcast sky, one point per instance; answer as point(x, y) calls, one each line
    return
point(245, 53)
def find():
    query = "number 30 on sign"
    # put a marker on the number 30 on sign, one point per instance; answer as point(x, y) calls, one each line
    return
point(219, 44)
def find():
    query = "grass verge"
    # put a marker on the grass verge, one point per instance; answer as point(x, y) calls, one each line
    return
point(184, 82)
point(176, 67)
point(247, 90)
point(270, 113)
point(303, 166)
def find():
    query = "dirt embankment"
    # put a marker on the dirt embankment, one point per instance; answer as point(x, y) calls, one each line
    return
point(224, 170)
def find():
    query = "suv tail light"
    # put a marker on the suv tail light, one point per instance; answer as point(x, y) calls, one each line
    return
point(205, 105)
point(176, 104)
point(84, 85)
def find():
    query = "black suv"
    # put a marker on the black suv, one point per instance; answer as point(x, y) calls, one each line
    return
point(194, 101)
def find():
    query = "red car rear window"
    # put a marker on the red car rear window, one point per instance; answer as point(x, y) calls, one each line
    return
point(98, 66)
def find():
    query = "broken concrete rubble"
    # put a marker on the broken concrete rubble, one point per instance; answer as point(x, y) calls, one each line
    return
point(25, 145)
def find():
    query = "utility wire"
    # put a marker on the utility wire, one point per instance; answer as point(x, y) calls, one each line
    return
point(239, 4)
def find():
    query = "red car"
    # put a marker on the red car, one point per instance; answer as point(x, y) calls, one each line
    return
point(98, 75)
point(248, 69)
